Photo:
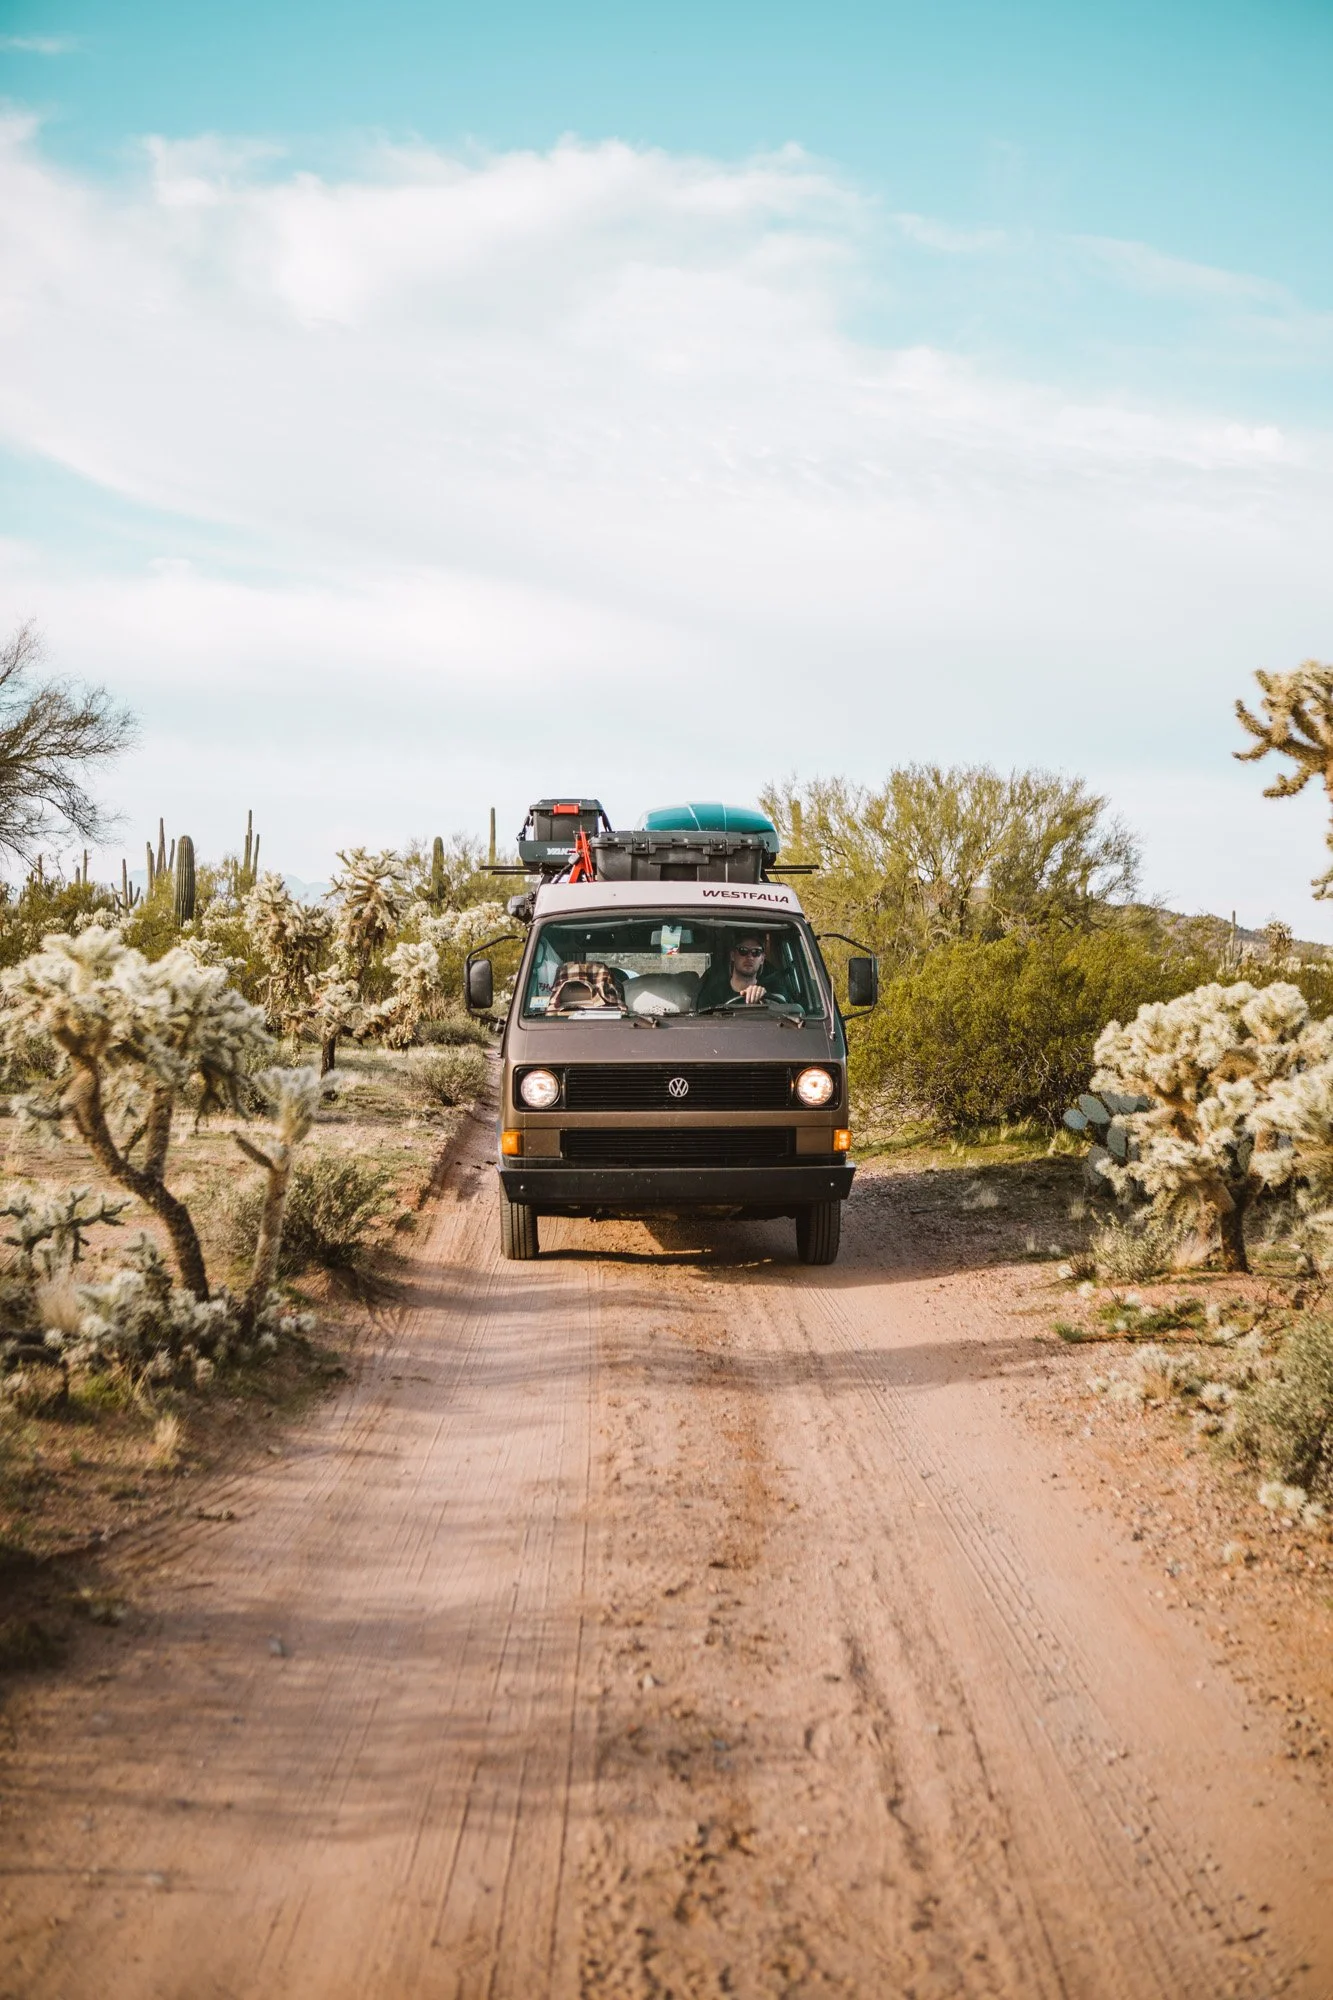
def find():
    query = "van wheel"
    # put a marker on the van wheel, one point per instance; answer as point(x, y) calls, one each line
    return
point(518, 1229)
point(818, 1231)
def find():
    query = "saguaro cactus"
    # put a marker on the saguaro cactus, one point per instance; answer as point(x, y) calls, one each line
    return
point(437, 882)
point(184, 880)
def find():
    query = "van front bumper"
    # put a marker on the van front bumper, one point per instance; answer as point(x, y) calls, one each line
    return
point(558, 1189)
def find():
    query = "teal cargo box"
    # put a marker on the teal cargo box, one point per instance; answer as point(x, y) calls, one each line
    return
point(712, 818)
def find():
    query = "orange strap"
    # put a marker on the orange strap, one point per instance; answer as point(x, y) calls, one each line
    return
point(583, 870)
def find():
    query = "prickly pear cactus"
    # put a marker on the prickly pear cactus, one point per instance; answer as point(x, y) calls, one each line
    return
point(1100, 1115)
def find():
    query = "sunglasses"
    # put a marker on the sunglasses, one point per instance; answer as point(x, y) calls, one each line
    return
point(749, 951)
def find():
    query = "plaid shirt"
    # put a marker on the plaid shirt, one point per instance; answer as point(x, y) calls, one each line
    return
point(605, 989)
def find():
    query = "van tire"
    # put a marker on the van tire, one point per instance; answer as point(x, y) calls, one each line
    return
point(818, 1231)
point(518, 1229)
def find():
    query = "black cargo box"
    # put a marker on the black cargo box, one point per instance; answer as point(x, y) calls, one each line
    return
point(646, 856)
point(547, 837)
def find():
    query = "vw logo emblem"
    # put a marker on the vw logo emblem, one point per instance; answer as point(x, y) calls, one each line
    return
point(679, 1086)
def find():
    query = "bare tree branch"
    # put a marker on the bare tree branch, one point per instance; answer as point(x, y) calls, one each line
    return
point(51, 733)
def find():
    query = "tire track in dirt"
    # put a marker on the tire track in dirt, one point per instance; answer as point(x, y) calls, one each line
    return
point(384, 1799)
point(1025, 1836)
point(658, 1623)
point(728, 1910)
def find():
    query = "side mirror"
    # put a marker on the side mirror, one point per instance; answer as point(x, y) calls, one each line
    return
point(862, 982)
point(480, 986)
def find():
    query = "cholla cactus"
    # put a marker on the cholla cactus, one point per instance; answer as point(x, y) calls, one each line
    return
point(292, 1096)
point(138, 1320)
point(372, 896)
point(49, 1230)
point(293, 938)
point(456, 930)
point(129, 1036)
point(1218, 1065)
point(416, 981)
point(1297, 722)
point(333, 1009)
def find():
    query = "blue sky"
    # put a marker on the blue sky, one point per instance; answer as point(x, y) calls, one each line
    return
point(411, 408)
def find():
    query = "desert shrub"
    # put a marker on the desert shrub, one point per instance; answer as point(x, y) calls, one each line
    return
point(1004, 1029)
point(454, 1030)
point(28, 913)
point(1128, 1249)
point(935, 855)
point(1161, 1374)
point(1285, 1422)
point(451, 1075)
point(333, 1203)
point(151, 927)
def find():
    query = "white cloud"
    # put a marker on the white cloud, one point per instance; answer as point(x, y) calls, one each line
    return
point(932, 234)
point(41, 45)
point(565, 467)
point(1143, 268)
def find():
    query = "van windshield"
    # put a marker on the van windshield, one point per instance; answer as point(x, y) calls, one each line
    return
point(670, 964)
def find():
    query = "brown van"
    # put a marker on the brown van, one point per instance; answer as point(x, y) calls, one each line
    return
point(673, 1047)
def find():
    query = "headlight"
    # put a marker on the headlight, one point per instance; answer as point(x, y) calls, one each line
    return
point(815, 1086)
point(540, 1088)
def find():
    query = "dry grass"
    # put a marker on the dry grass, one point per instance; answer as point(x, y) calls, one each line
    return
point(168, 1444)
point(58, 1303)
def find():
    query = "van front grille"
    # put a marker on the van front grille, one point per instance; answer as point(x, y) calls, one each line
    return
point(649, 1086)
point(677, 1147)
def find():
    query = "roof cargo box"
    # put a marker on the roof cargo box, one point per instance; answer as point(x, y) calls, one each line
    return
point(686, 856)
point(711, 817)
point(548, 835)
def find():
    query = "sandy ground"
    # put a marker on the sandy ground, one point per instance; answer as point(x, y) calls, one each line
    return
point(661, 1619)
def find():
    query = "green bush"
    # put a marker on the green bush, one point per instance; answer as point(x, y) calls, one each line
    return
point(451, 1076)
point(1285, 1423)
point(453, 1029)
point(333, 1203)
point(995, 1029)
point(29, 913)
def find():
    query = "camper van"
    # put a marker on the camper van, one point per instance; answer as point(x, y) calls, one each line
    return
point(674, 1043)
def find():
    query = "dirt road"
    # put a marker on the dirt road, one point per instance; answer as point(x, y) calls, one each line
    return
point(663, 1619)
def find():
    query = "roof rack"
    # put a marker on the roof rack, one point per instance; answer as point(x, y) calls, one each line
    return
point(564, 838)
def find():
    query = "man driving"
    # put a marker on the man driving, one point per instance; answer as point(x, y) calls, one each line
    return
point(745, 977)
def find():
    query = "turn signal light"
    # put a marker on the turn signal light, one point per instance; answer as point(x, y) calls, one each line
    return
point(512, 1143)
point(842, 1141)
